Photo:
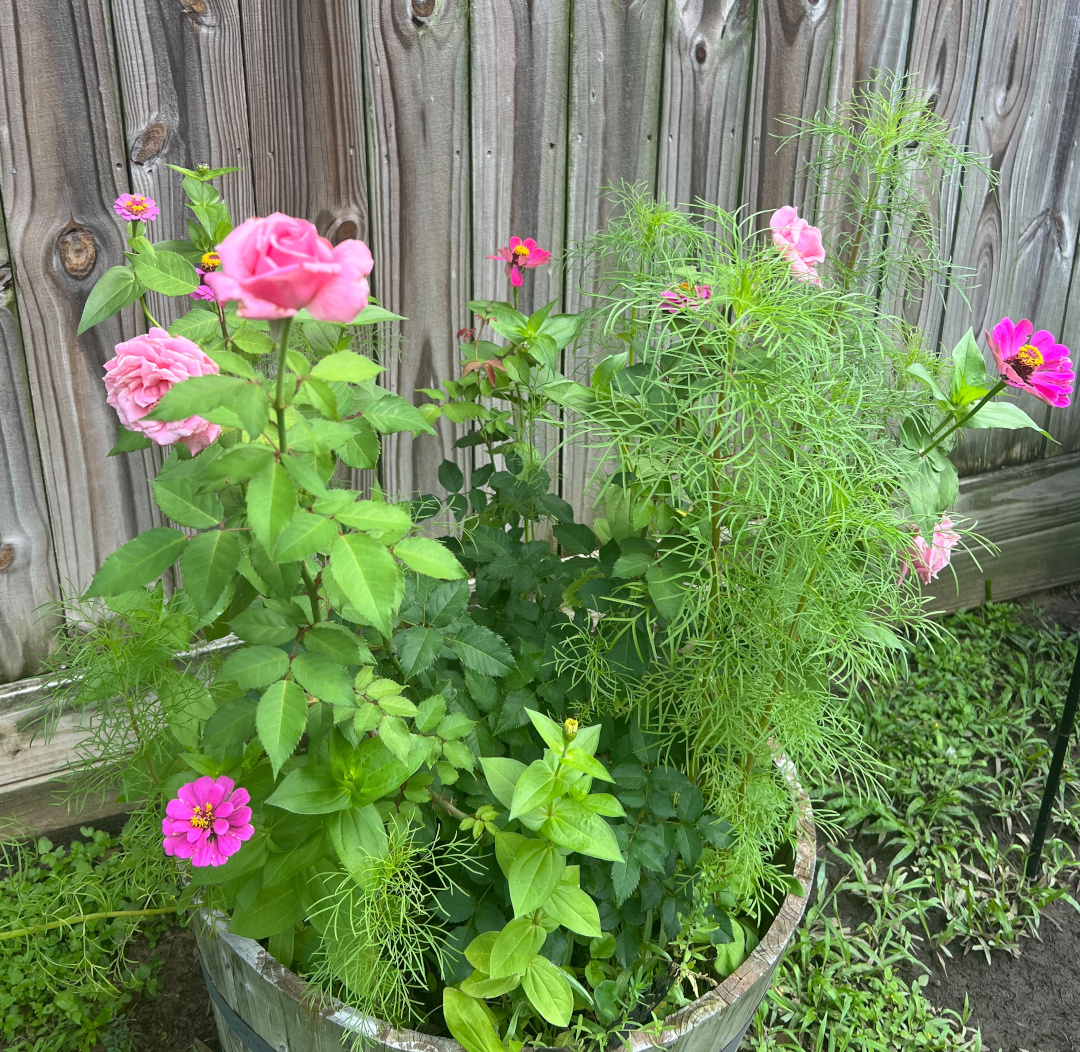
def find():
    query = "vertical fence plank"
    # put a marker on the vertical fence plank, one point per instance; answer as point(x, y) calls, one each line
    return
point(793, 55)
point(943, 63)
point(1064, 424)
point(703, 116)
point(306, 95)
point(182, 85)
point(62, 167)
point(417, 70)
point(27, 567)
point(615, 72)
point(1021, 236)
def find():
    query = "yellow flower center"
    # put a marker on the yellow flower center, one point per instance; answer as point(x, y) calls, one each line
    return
point(521, 250)
point(138, 204)
point(570, 729)
point(1030, 356)
point(211, 261)
point(203, 816)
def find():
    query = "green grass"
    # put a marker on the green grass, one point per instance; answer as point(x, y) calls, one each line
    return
point(939, 862)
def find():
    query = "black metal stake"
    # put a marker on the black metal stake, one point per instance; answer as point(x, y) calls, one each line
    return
point(1061, 749)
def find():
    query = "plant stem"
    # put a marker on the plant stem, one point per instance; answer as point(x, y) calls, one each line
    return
point(283, 327)
point(149, 317)
point(313, 593)
point(999, 386)
point(83, 918)
point(448, 806)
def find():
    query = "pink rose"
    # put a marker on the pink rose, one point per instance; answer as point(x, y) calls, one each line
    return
point(798, 242)
point(928, 560)
point(138, 377)
point(277, 265)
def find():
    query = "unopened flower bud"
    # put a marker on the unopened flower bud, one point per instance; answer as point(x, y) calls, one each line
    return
point(570, 729)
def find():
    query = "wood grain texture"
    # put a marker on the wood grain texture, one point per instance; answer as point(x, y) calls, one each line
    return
point(943, 62)
point(27, 566)
point(1032, 513)
point(794, 48)
point(303, 61)
point(181, 72)
point(62, 167)
point(1021, 236)
point(417, 83)
point(615, 78)
point(707, 62)
point(1064, 424)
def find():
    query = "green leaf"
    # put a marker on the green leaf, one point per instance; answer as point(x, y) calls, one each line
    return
point(536, 788)
point(309, 791)
point(324, 677)
point(237, 464)
point(306, 534)
point(666, 590)
point(114, 290)
point(363, 449)
point(459, 755)
point(632, 564)
point(533, 875)
point(370, 578)
point(479, 985)
point(167, 273)
point(346, 367)
point(576, 538)
point(575, 827)
point(482, 650)
point(417, 649)
point(384, 772)
point(548, 729)
point(254, 667)
point(390, 413)
point(969, 367)
point(271, 911)
point(129, 442)
point(271, 503)
point(339, 643)
point(176, 497)
point(515, 947)
point(478, 952)
point(262, 626)
point(359, 837)
point(429, 713)
point(429, 557)
point(208, 564)
point(372, 314)
point(456, 725)
point(1003, 414)
point(451, 477)
point(502, 774)
point(920, 372)
point(469, 1023)
point(232, 724)
point(280, 720)
point(574, 910)
point(228, 362)
point(385, 522)
point(141, 560)
point(395, 736)
point(579, 760)
point(198, 397)
point(548, 991)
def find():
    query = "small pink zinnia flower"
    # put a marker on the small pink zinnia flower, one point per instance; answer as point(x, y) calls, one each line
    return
point(520, 254)
point(135, 207)
point(203, 292)
point(928, 560)
point(1032, 361)
point(207, 821)
point(675, 300)
point(798, 242)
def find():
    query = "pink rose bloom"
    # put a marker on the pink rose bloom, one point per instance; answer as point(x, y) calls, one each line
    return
point(520, 254)
point(1033, 361)
point(928, 560)
point(138, 377)
point(798, 242)
point(136, 208)
point(207, 821)
point(278, 265)
point(203, 292)
point(676, 300)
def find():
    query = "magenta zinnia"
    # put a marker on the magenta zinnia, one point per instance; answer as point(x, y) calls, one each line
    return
point(929, 559)
point(1032, 361)
point(519, 255)
point(207, 821)
point(136, 208)
point(682, 298)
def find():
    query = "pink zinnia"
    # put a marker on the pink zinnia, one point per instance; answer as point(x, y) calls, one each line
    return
point(203, 292)
point(520, 254)
point(207, 821)
point(928, 560)
point(136, 208)
point(799, 243)
point(1032, 361)
point(674, 300)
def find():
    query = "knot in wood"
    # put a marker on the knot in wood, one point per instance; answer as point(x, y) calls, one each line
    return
point(701, 52)
point(196, 10)
point(344, 232)
point(78, 253)
point(7, 556)
point(5, 278)
point(149, 143)
point(423, 8)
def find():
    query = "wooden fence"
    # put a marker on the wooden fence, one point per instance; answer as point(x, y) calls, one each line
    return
point(434, 129)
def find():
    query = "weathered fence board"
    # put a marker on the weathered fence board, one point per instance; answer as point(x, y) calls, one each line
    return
point(62, 167)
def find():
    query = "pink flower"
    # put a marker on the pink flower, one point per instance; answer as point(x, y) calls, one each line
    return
point(1032, 361)
point(676, 301)
point(137, 378)
point(278, 265)
point(520, 254)
point(928, 560)
point(203, 292)
point(136, 208)
point(207, 821)
point(798, 242)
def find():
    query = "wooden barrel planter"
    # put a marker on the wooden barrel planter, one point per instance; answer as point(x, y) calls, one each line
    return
point(261, 1006)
